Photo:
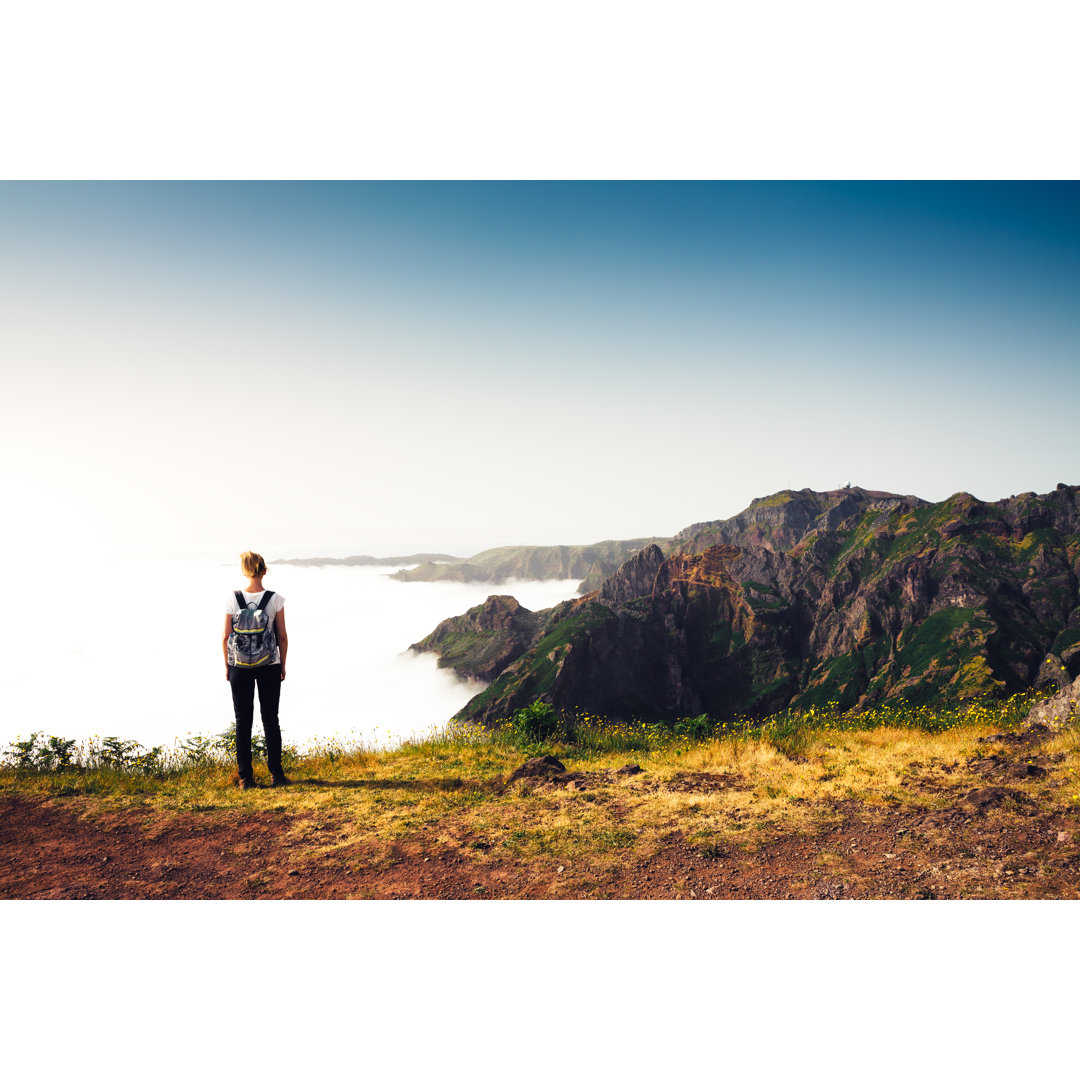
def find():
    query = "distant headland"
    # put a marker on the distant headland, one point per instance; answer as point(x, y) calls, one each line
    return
point(590, 562)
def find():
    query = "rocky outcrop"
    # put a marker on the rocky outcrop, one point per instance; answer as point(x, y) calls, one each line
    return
point(807, 598)
point(482, 642)
point(1063, 708)
point(537, 768)
point(636, 577)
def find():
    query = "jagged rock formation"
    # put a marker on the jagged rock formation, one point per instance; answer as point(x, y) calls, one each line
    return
point(634, 578)
point(497, 565)
point(482, 642)
point(847, 596)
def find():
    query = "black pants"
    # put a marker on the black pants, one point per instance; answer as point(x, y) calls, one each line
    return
point(242, 682)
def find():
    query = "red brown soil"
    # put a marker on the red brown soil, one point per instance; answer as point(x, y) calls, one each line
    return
point(995, 841)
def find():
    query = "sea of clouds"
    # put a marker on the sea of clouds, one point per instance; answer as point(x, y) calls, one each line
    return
point(133, 649)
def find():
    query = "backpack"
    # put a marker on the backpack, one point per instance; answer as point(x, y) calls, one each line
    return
point(252, 641)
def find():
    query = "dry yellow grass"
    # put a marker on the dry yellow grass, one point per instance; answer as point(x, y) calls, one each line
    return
point(739, 789)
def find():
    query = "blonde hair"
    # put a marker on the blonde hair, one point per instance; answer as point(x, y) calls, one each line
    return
point(252, 564)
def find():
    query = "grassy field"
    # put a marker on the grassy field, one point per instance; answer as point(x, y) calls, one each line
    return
point(741, 785)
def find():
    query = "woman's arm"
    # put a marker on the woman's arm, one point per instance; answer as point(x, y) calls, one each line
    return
point(225, 644)
point(282, 638)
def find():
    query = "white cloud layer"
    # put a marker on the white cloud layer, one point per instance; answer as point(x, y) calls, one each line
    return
point(132, 649)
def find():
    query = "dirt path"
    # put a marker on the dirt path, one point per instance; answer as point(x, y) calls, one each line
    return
point(996, 841)
point(47, 852)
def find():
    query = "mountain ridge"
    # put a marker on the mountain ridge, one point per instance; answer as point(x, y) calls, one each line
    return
point(590, 562)
point(854, 596)
point(368, 560)
point(522, 562)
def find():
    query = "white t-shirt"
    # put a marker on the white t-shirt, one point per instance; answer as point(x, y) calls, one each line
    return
point(276, 603)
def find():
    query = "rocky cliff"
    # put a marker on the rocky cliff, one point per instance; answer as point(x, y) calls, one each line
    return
point(848, 596)
point(482, 642)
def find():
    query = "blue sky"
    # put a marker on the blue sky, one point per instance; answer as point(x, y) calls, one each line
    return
point(456, 365)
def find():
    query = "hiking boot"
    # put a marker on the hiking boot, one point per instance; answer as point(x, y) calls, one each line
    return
point(246, 783)
point(279, 780)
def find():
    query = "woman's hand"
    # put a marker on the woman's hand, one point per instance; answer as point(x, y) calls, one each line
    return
point(282, 672)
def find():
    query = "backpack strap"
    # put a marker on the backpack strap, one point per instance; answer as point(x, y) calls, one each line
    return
point(265, 600)
point(239, 600)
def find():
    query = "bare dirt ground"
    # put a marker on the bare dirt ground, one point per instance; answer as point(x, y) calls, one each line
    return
point(995, 841)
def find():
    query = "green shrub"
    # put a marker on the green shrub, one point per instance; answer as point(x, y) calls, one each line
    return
point(226, 742)
point(37, 754)
point(198, 750)
point(126, 755)
point(119, 754)
point(788, 732)
point(697, 728)
point(536, 723)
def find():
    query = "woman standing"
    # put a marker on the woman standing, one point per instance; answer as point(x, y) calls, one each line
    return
point(254, 644)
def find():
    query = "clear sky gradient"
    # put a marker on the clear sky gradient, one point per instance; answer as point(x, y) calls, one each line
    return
point(380, 367)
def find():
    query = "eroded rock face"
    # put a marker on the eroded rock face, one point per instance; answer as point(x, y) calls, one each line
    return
point(634, 578)
point(805, 598)
point(664, 653)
